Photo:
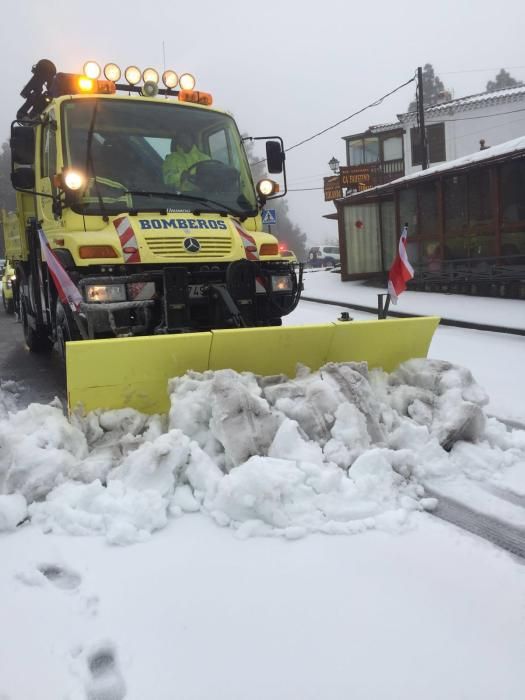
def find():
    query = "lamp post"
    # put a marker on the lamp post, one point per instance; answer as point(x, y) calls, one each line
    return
point(333, 164)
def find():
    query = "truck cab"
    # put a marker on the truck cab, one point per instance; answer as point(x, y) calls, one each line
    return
point(137, 214)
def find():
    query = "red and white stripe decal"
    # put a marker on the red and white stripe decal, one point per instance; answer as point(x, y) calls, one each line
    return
point(128, 242)
point(248, 241)
point(66, 288)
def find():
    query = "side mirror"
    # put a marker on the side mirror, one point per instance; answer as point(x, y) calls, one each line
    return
point(23, 178)
point(274, 157)
point(22, 144)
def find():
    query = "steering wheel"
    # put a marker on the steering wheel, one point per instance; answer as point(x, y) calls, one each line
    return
point(209, 174)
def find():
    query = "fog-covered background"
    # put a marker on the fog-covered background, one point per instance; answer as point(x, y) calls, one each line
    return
point(290, 69)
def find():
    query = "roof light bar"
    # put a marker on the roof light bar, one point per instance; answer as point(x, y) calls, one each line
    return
point(187, 81)
point(170, 79)
point(112, 72)
point(150, 75)
point(133, 75)
point(91, 70)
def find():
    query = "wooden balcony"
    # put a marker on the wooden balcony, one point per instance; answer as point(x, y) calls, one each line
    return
point(363, 177)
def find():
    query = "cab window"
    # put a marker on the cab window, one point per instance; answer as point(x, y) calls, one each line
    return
point(49, 150)
point(219, 148)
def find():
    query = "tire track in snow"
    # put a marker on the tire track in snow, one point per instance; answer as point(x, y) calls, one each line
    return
point(507, 533)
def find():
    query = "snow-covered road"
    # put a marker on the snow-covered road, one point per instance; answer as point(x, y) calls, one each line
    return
point(196, 613)
point(196, 604)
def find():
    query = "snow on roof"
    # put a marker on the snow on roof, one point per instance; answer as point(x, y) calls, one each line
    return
point(375, 129)
point(501, 149)
point(481, 99)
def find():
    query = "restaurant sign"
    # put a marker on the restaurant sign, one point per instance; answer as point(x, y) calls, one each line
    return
point(332, 188)
point(358, 177)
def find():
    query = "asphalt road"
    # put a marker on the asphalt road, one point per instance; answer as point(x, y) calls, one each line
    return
point(41, 377)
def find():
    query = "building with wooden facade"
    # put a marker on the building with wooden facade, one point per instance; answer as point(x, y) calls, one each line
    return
point(466, 224)
point(454, 128)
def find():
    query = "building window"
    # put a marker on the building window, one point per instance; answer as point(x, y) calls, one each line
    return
point(393, 148)
point(362, 151)
point(513, 191)
point(428, 209)
point(435, 144)
point(408, 210)
point(455, 195)
point(479, 197)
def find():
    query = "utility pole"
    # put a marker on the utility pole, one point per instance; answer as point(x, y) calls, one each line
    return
point(421, 119)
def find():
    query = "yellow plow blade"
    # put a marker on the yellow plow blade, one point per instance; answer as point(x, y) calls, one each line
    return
point(134, 372)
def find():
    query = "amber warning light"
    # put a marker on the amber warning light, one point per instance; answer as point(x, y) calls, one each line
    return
point(201, 98)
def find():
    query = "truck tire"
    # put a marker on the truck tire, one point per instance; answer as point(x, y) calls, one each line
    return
point(36, 341)
point(65, 329)
point(9, 305)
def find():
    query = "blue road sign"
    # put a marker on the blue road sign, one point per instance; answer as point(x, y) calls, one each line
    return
point(269, 216)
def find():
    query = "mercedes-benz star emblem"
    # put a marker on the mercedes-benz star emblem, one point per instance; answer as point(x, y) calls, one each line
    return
point(192, 245)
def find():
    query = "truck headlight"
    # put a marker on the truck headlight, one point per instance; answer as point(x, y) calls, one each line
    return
point(105, 292)
point(281, 283)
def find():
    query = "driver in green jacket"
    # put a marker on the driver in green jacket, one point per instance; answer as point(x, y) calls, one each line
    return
point(184, 154)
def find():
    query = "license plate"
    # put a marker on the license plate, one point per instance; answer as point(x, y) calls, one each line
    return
point(196, 291)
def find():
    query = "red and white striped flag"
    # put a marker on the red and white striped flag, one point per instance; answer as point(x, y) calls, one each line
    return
point(68, 292)
point(401, 270)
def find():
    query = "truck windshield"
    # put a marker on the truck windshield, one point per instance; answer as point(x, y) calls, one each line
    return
point(149, 155)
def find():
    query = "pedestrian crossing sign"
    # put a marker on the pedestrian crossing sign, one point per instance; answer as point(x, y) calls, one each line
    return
point(269, 216)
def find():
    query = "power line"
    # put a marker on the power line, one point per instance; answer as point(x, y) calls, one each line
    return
point(342, 121)
point(478, 70)
point(354, 114)
point(306, 189)
point(455, 119)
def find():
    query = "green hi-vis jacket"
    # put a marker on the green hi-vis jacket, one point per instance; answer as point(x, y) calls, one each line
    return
point(178, 162)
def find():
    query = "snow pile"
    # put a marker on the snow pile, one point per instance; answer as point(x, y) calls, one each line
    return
point(9, 392)
point(340, 450)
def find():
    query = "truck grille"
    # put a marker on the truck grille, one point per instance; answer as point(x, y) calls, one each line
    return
point(169, 247)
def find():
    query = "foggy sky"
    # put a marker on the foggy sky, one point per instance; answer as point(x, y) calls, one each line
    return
point(289, 68)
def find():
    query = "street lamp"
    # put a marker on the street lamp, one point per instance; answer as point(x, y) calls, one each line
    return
point(334, 165)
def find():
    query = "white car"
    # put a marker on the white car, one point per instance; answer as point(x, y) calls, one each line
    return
point(324, 256)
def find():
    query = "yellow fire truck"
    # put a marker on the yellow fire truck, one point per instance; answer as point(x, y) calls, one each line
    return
point(138, 240)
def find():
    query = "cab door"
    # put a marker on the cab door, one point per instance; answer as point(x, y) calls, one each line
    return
point(47, 170)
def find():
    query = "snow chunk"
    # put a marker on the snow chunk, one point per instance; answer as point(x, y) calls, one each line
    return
point(123, 515)
point(13, 509)
point(40, 448)
point(442, 396)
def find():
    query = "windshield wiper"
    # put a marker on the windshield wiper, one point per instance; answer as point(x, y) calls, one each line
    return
point(205, 200)
point(89, 161)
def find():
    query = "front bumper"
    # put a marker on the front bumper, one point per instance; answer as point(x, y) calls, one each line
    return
point(185, 300)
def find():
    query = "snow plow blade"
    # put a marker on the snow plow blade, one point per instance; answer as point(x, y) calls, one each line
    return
point(134, 372)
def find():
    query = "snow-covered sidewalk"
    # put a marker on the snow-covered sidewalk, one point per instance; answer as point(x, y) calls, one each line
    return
point(322, 284)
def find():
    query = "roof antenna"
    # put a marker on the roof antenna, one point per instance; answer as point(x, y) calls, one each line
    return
point(163, 56)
